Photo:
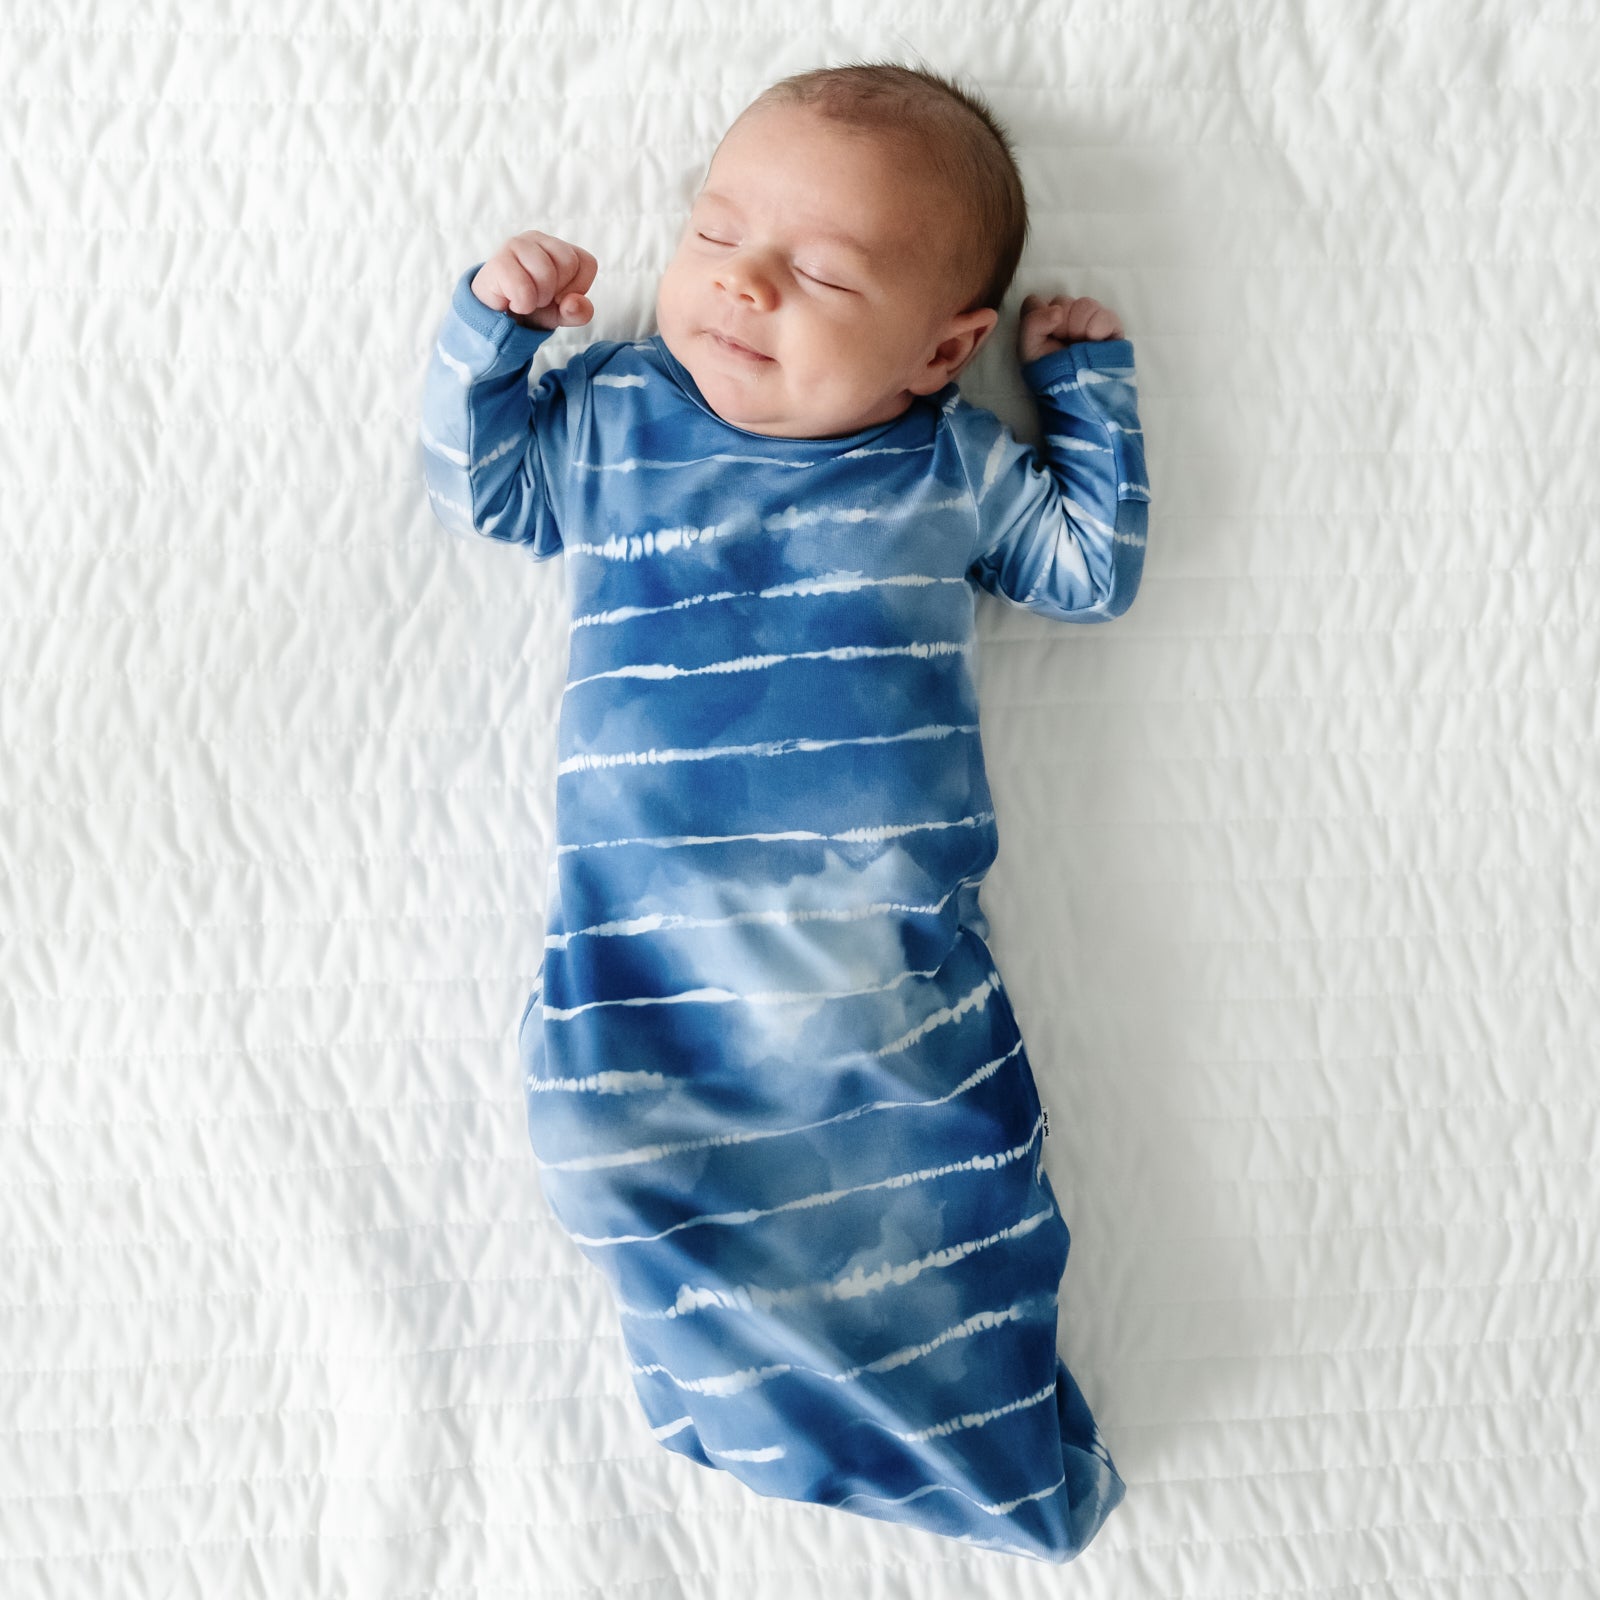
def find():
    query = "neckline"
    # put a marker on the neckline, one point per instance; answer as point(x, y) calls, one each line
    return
point(841, 442)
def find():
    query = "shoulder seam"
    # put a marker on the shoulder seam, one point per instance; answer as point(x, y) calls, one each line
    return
point(966, 478)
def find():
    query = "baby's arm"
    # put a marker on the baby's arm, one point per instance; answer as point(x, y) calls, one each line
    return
point(1065, 534)
point(493, 457)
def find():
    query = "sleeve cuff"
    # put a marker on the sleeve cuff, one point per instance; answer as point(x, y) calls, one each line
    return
point(1062, 363)
point(496, 326)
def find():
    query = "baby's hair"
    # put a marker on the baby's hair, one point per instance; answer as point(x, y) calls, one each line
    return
point(958, 134)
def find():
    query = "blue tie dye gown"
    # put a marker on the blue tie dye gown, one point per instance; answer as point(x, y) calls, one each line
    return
point(774, 1086)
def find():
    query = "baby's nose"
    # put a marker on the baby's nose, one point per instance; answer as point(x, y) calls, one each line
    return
point(746, 278)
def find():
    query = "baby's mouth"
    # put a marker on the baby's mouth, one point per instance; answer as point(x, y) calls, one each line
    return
point(734, 347)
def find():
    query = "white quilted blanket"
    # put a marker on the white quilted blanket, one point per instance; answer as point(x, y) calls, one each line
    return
point(1296, 889)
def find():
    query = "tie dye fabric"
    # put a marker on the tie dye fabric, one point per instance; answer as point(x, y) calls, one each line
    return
point(774, 1086)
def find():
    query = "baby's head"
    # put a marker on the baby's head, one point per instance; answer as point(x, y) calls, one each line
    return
point(848, 251)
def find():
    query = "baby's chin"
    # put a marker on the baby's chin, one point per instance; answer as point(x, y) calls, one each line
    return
point(728, 398)
point(757, 413)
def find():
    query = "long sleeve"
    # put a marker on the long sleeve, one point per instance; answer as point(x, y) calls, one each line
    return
point(493, 456)
point(1064, 536)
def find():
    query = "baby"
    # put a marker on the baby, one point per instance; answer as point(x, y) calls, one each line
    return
point(774, 1085)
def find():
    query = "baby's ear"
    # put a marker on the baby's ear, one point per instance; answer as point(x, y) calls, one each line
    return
point(961, 340)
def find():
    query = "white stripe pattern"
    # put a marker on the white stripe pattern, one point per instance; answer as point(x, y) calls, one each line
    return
point(614, 1081)
point(729, 1383)
point(853, 1286)
point(587, 762)
point(999, 1509)
point(773, 916)
point(974, 998)
point(713, 996)
point(657, 542)
point(643, 1154)
point(824, 1197)
point(829, 583)
point(992, 464)
point(456, 458)
point(517, 442)
point(792, 518)
point(771, 1452)
point(976, 1419)
point(865, 835)
point(460, 370)
point(660, 670)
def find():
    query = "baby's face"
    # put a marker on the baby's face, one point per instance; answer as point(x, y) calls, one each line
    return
point(813, 291)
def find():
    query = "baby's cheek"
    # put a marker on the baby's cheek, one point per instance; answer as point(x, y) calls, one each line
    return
point(671, 294)
point(666, 303)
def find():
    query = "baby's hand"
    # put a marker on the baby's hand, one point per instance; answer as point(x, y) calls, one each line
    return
point(1052, 324)
point(539, 281)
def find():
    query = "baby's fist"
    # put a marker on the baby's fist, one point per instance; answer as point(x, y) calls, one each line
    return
point(539, 281)
point(1052, 324)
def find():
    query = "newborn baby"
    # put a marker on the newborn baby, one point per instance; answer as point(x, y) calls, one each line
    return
point(774, 1085)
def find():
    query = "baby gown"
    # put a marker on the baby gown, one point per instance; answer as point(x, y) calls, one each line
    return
point(774, 1086)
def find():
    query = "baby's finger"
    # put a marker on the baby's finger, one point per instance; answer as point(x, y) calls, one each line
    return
point(504, 285)
point(1073, 321)
point(1039, 321)
point(575, 310)
point(1103, 324)
point(1088, 319)
point(534, 271)
point(563, 257)
point(489, 285)
point(574, 267)
point(583, 278)
point(484, 290)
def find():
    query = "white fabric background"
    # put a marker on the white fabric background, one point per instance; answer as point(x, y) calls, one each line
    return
point(1298, 862)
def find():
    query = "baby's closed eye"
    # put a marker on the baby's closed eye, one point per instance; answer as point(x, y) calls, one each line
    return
point(822, 280)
